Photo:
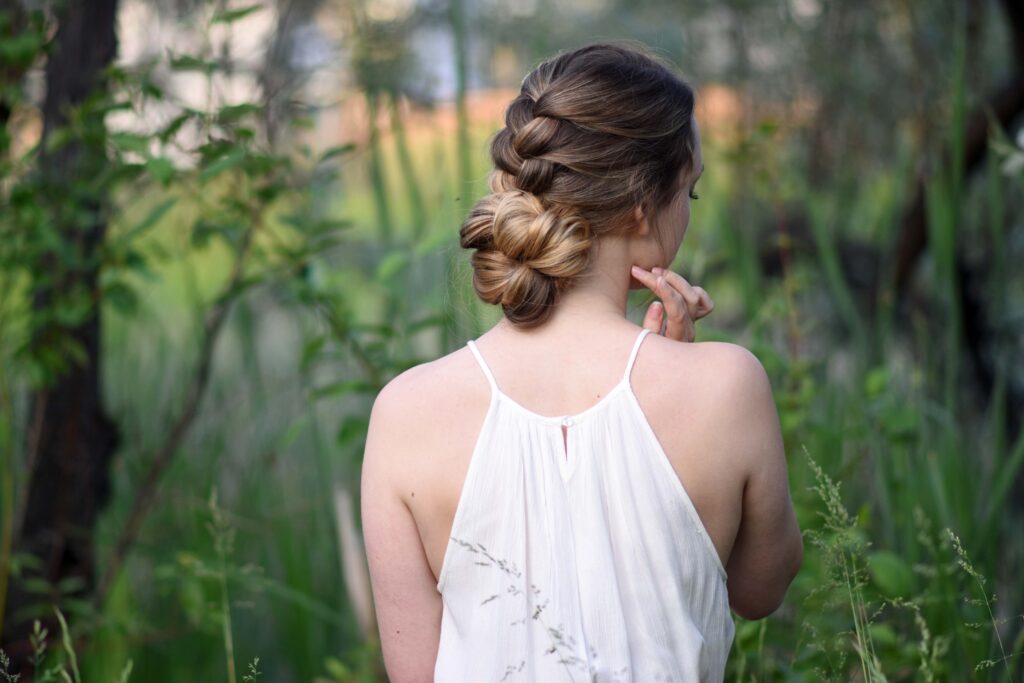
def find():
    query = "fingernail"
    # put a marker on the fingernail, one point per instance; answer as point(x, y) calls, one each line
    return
point(636, 270)
point(656, 270)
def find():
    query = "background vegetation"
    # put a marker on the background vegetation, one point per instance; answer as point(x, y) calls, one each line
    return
point(226, 225)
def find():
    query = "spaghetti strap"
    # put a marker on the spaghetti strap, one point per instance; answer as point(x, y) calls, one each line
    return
point(632, 354)
point(494, 383)
point(483, 365)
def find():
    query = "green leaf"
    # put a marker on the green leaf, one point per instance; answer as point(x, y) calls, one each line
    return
point(233, 15)
point(767, 127)
point(330, 225)
point(192, 63)
point(431, 320)
point(131, 142)
point(121, 296)
point(162, 169)
point(900, 421)
point(126, 672)
point(69, 650)
point(152, 89)
point(337, 670)
point(59, 138)
point(876, 381)
point(70, 584)
point(311, 350)
point(37, 586)
point(390, 265)
point(891, 574)
point(231, 160)
point(294, 431)
point(21, 49)
point(235, 112)
point(348, 386)
point(338, 151)
point(172, 128)
point(352, 428)
point(203, 230)
point(151, 219)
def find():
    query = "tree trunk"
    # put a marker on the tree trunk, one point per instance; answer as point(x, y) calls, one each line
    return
point(70, 437)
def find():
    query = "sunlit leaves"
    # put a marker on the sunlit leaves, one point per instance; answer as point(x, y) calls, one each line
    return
point(233, 15)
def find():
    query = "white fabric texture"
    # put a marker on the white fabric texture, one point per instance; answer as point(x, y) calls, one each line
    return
point(579, 563)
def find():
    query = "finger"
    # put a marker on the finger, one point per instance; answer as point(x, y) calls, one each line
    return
point(680, 323)
point(685, 289)
point(706, 305)
point(653, 318)
point(698, 303)
point(646, 277)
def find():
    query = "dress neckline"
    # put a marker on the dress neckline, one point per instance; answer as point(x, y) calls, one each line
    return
point(565, 419)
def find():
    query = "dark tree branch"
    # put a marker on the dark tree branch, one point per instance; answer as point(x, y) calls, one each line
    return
point(146, 490)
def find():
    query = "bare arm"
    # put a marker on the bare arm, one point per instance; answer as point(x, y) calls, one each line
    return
point(768, 550)
point(404, 590)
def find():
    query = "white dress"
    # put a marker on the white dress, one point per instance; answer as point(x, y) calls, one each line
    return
point(578, 562)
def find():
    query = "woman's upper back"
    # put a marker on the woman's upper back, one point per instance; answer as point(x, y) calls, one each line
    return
point(699, 403)
point(575, 546)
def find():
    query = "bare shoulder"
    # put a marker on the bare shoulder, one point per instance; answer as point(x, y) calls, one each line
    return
point(420, 408)
point(429, 386)
point(722, 370)
point(739, 375)
point(743, 398)
point(720, 386)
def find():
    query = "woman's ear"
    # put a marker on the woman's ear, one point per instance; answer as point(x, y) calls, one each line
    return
point(642, 226)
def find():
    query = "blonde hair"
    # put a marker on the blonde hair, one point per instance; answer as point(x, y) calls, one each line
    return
point(592, 134)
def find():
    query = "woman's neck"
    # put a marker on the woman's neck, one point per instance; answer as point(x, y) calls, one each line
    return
point(595, 301)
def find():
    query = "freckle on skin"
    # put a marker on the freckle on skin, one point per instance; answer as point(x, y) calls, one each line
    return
point(413, 494)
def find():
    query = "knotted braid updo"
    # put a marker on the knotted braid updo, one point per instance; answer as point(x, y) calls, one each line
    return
point(593, 134)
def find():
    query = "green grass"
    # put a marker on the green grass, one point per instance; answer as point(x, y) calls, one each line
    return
point(911, 567)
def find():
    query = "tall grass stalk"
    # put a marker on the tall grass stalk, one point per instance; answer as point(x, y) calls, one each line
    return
point(457, 16)
point(8, 290)
point(996, 218)
point(6, 492)
point(69, 649)
point(413, 193)
point(381, 201)
point(828, 253)
point(965, 563)
point(844, 551)
point(223, 540)
point(945, 212)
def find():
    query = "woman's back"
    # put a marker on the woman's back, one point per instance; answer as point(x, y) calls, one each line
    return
point(575, 545)
point(707, 405)
point(506, 545)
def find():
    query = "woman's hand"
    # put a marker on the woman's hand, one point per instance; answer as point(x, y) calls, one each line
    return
point(681, 305)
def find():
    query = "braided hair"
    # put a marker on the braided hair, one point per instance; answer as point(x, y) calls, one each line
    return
point(593, 133)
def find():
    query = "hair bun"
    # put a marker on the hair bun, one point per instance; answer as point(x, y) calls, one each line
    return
point(593, 134)
point(527, 253)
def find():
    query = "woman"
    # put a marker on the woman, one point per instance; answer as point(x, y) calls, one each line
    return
point(571, 497)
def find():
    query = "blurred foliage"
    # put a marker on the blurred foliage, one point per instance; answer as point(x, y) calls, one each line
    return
point(303, 279)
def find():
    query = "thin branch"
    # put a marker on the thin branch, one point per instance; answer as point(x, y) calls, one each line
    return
point(144, 494)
